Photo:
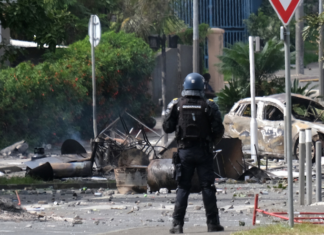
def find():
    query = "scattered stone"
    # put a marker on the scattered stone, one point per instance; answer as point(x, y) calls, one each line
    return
point(55, 203)
point(42, 202)
point(88, 191)
point(231, 207)
point(157, 193)
point(164, 191)
point(241, 223)
point(96, 222)
point(76, 221)
point(29, 226)
point(149, 204)
point(198, 208)
point(247, 202)
point(160, 220)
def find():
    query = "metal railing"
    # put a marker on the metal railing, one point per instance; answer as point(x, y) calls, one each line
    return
point(225, 14)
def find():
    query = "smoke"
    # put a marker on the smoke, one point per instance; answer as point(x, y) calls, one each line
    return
point(76, 136)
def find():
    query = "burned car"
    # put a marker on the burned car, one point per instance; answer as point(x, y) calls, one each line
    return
point(306, 113)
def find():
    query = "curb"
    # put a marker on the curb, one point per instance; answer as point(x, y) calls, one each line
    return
point(110, 185)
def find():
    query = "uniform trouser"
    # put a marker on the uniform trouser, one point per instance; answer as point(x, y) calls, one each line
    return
point(191, 159)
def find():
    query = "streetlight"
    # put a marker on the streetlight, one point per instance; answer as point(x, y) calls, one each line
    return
point(155, 42)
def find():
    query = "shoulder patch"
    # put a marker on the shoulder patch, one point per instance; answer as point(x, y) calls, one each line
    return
point(212, 104)
point(172, 103)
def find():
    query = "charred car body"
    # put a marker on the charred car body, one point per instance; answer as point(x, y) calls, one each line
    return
point(306, 113)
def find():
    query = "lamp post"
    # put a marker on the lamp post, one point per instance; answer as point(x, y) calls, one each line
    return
point(155, 42)
point(253, 124)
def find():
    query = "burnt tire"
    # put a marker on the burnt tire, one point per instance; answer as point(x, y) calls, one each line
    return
point(296, 150)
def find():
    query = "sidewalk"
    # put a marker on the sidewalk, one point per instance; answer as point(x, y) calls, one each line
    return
point(165, 230)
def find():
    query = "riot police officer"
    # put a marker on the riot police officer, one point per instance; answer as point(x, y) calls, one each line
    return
point(197, 123)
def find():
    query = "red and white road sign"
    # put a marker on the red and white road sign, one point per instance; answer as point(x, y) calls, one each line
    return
point(285, 9)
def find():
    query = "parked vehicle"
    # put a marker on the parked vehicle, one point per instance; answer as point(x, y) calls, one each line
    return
point(306, 113)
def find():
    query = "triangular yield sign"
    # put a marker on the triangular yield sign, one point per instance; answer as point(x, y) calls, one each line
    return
point(285, 9)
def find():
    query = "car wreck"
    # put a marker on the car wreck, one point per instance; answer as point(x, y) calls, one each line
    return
point(306, 113)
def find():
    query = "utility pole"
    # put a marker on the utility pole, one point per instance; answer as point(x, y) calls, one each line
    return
point(253, 123)
point(163, 75)
point(299, 38)
point(288, 135)
point(320, 54)
point(195, 44)
point(94, 103)
point(285, 16)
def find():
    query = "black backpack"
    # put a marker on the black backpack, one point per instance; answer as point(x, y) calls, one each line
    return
point(193, 122)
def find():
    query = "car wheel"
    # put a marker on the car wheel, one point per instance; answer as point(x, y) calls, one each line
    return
point(296, 150)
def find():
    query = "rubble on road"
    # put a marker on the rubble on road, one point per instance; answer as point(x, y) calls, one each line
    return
point(15, 150)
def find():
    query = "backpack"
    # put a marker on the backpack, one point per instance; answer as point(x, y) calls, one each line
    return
point(193, 122)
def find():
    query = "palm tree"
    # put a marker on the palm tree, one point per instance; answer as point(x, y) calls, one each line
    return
point(235, 62)
point(304, 90)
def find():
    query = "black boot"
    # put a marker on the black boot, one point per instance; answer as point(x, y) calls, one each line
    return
point(214, 225)
point(177, 227)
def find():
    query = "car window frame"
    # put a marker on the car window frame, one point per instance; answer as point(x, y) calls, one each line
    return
point(238, 112)
point(249, 103)
point(274, 105)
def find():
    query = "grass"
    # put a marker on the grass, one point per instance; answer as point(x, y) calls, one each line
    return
point(299, 229)
point(19, 180)
point(30, 180)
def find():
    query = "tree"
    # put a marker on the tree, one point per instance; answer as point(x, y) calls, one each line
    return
point(51, 101)
point(43, 22)
point(266, 24)
point(145, 17)
point(235, 63)
point(82, 10)
point(303, 90)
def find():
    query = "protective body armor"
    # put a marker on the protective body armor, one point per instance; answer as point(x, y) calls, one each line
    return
point(193, 124)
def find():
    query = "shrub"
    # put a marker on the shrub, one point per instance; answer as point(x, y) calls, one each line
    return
point(51, 101)
point(187, 34)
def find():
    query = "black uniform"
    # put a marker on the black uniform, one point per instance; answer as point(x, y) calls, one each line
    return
point(198, 124)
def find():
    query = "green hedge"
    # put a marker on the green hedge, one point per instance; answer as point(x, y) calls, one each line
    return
point(51, 101)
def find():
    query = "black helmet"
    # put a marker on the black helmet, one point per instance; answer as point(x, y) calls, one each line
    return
point(194, 81)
